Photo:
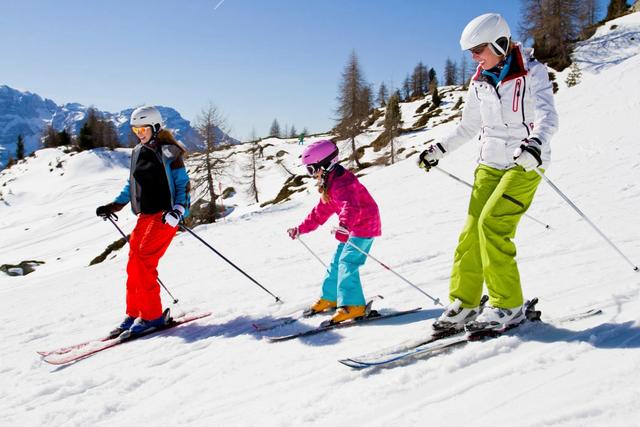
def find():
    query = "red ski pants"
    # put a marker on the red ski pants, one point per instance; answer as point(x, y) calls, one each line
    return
point(148, 242)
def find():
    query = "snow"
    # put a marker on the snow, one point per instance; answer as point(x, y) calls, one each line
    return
point(217, 371)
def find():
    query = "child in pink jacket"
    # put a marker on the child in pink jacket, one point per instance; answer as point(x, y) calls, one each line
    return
point(359, 219)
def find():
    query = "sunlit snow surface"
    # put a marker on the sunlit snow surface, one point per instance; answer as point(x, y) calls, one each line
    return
point(217, 371)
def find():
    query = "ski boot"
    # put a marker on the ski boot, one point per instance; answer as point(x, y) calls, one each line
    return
point(497, 319)
point(349, 312)
point(141, 326)
point(319, 306)
point(454, 317)
point(124, 326)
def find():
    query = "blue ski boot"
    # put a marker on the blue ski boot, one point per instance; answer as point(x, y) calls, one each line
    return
point(141, 326)
point(124, 326)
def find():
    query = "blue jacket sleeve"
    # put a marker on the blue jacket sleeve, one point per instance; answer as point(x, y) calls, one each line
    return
point(181, 182)
point(125, 195)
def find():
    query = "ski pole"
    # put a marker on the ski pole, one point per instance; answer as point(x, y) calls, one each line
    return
point(504, 196)
point(175, 301)
point(312, 253)
point(187, 229)
point(566, 199)
point(436, 301)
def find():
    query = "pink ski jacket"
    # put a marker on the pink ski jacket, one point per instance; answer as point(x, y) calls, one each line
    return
point(355, 207)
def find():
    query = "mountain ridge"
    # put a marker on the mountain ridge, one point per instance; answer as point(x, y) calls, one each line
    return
point(26, 113)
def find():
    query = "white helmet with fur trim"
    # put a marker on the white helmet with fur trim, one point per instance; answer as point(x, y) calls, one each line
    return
point(147, 116)
point(489, 28)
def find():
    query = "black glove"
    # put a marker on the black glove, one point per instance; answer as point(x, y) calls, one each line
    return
point(108, 211)
point(429, 157)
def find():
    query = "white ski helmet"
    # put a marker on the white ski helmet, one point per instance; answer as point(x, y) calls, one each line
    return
point(147, 116)
point(489, 28)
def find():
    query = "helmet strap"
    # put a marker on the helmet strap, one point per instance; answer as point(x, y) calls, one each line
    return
point(498, 48)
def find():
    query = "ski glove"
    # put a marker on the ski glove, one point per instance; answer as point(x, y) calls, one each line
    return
point(429, 157)
point(109, 210)
point(528, 154)
point(341, 233)
point(174, 216)
point(293, 233)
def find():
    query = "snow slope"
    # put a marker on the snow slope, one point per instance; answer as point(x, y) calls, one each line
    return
point(218, 372)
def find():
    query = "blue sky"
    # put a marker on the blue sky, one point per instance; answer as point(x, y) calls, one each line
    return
point(255, 59)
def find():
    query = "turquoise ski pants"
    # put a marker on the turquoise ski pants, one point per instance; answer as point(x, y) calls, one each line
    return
point(342, 282)
point(486, 252)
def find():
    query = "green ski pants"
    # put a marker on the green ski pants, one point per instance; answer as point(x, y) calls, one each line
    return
point(486, 252)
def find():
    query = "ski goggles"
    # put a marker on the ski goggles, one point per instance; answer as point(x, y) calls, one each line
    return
point(479, 49)
point(139, 129)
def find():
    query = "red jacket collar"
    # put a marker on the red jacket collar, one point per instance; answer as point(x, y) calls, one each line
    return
point(517, 66)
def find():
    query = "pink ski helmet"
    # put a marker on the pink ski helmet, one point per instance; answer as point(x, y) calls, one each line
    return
point(320, 155)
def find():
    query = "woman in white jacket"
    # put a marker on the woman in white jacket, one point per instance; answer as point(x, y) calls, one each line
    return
point(509, 106)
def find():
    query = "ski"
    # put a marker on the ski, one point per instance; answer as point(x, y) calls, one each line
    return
point(324, 327)
point(409, 345)
point(63, 350)
point(65, 355)
point(438, 342)
point(67, 349)
point(388, 358)
point(294, 317)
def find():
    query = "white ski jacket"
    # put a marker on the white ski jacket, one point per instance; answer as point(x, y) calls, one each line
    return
point(520, 106)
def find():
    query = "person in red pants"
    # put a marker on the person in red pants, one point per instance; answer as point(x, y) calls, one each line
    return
point(158, 189)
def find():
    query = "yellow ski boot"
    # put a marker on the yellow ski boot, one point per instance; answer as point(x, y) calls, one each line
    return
point(349, 312)
point(320, 306)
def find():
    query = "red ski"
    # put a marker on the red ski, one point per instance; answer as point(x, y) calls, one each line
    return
point(76, 352)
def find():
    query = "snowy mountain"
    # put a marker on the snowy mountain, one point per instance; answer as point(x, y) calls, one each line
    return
point(218, 371)
point(22, 113)
point(27, 114)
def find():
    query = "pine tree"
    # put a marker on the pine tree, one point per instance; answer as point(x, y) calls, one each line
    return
point(406, 88)
point(435, 95)
point(553, 25)
point(86, 137)
point(108, 134)
point(50, 138)
point(274, 131)
point(574, 76)
point(209, 125)
point(64, 138)
point(354, 103)
point(383, 94)
point(450, 73)
point(432, 77)
point(96, 132)
point(20, 148)
point(293, 133)
point(425, 80)
point(419, 80)
point(589, 12)
point(463, 71)
point(392, 120)
point(255, 151)
point(588, 20)
point(367, 99)
point(616, 9)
